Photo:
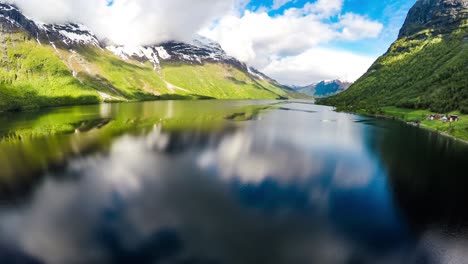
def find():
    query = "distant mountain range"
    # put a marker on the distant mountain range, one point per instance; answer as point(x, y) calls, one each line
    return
point(52, 64)
point(324, 88)
point(426, 68)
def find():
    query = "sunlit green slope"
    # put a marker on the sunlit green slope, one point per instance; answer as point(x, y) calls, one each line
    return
point(431, 73)
point(426, 68)
point(34, 75)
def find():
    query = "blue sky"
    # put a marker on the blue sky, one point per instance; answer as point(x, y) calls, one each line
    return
point(299, 42)
point(391, 13)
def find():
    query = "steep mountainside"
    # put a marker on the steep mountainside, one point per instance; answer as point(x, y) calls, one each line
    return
point(49, 65)
point(426, 68)
point(325, 88)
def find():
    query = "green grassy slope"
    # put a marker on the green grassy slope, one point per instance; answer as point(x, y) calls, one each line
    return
point(34, 75)
point(112, 75)
point(423, 71)
point(218, 81)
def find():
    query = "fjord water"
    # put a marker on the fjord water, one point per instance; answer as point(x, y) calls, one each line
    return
point(227, 182)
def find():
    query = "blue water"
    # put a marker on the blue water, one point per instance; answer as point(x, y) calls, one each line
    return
point(297, 184)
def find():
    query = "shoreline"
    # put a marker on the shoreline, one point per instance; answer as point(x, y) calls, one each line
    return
point(443, 134)
point(33, 109)
point(421, 126)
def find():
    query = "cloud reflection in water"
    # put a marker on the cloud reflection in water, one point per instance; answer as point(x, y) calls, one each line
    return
point(263, 193)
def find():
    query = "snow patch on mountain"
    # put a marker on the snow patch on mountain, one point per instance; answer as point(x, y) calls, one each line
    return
point(70, 34)
point(6, 7)
point(253, 73)
point(73, 35)
point(214, 49)
point(7, 12)
point(8, 19)
point(139, 53)
point(163, 53)
point(199, 51)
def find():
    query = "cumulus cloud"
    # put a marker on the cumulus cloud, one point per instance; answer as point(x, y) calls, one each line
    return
point(318, 64)
point(255, 37)
point(325, 7)
point(268, 42)
point(280, 3)
point(354, 27)
point(131, 22)
point(264, 41)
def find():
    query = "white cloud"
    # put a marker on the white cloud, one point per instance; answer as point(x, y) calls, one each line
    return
point(279, 3)
point(131, 22)
point(318, 64)
point(354, 27)
point(267, 42)
point(257, 38)
point(325, 8)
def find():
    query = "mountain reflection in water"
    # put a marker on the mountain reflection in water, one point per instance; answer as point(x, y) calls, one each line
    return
point(302, 186)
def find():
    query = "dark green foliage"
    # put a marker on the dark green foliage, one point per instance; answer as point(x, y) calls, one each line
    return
point(424, 71)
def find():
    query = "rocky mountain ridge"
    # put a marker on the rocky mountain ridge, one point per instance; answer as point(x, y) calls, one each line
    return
point(62, 64)
point(73, 35)
point(440, 15)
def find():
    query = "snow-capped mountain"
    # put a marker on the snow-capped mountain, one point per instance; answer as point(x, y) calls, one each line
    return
point(201, 50)
point(72, 35)
point(69, 63)
point(325, 88)
point(67, 35)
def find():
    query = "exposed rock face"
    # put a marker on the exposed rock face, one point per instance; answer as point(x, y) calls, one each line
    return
point(12, 20)
point(66, 36)
point(441, 15)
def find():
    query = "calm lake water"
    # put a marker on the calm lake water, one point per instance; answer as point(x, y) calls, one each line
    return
point(228, 182)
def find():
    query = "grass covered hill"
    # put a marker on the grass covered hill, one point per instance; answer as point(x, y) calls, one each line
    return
point(426, 68)
point(54, 65)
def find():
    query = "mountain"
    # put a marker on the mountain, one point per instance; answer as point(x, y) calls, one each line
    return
point(426, 68)
point(51, 65)
point(324, 88)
